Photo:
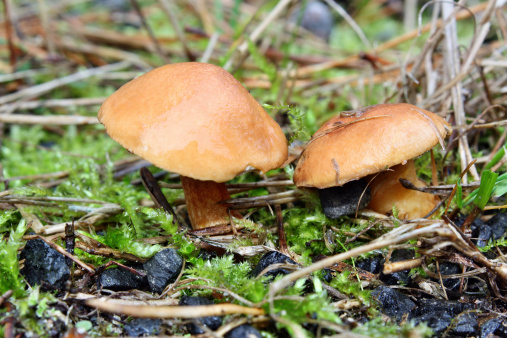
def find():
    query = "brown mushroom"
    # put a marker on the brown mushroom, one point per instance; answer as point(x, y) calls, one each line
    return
point(368, 141)
point(197, 120)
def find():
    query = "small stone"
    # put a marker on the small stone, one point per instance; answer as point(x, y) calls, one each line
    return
point(316, 18)
point(212, 322)
point(115, 5)
point(393, 303)
point(327, 274)
point(270, 258)
point(447, 268)
point(207, 255)
point(428, 306)
point(341, 201)
point(163, 268)
point(44, 264)
point(243, 331)
point(467, 325)
point(400, 277)
point(498, 225)
point(481, 233)
point(142, 326)
point(119, 279)
point(439, 314)
point(496, 327)
point(371, 264)
point(438, 321)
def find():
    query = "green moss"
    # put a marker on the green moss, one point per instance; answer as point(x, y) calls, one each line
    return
point(10, 279)
point(224, 272)
point(349, 285)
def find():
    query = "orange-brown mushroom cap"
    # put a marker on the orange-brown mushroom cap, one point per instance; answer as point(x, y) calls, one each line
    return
point(371, 140)
point(194, 119)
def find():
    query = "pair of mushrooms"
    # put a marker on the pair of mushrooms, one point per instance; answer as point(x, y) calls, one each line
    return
point(377, 143)
point(197, 120)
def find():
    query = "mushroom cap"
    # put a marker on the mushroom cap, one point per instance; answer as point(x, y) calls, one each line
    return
point(194, 119)
point(372, 139)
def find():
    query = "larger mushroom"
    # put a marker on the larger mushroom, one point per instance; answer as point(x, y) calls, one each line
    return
point(197, 120)
point(369, 141)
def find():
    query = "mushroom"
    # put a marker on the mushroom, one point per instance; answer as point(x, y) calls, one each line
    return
point(197, 120)
point(370, 141)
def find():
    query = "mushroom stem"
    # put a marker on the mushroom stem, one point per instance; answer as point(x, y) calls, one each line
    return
point(387, 191)
point(202, 199)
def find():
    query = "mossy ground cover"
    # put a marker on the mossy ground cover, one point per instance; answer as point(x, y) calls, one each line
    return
point(58, 174)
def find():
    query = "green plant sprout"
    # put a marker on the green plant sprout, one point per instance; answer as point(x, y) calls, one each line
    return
point(492, 185)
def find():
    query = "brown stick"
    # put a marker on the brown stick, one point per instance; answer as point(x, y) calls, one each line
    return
point(282, 240)
point(5, 296)
point(153, 38)
point(48, 119)
point(147, 311)
point(157, 196)
point(9, 32)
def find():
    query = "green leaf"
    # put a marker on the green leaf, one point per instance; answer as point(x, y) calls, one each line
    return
point(498, 156)
point(85, 325)
point(500, 186)
point(488, 181)
point(459, 194)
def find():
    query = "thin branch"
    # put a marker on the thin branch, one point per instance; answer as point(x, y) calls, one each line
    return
point(61, 120)
point(147, 311)
point(43, 88)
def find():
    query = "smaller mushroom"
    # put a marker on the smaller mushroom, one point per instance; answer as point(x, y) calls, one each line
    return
point(370, 141)
point(387, 192)
point(197, 120)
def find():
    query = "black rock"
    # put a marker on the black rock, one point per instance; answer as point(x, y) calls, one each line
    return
point(439, 314)
point(460, 219)
point(498, 225)
point(496, 327)
point(481, 233)
point(467, 325)
point(163, 268)
point(393, 303)
point(44, 264)
point(115, 5)
point(270, 258)
point(340, 201)
point(142, 326)
point(118, 279)
point(327, 274)
point(371, 264)
point(447, 268)
point(428, 306)
point(438, 321)
point(47, 144)
point(212, 322)
point(207, 255)
point(316, 18)
point(400, 277)
point(243, 331)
